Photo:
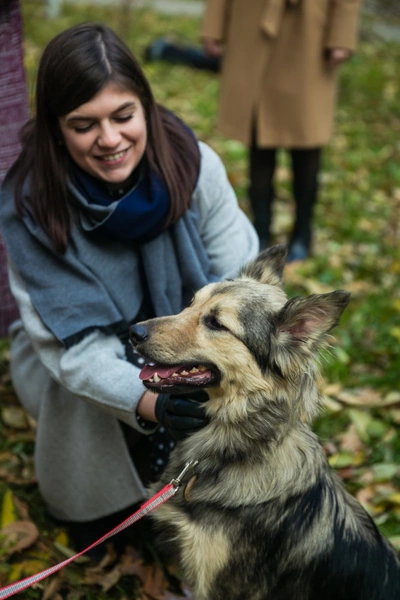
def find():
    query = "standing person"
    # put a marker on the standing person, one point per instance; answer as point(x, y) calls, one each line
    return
point(278, 89)
point(13, 114)
point(113, 213)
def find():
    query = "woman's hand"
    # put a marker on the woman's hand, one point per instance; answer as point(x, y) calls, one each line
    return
point(179, 415)
point(211, 47)
point(337, 56)
point(146, 406)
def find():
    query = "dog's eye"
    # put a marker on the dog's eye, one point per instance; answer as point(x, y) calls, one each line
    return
point(212, 323)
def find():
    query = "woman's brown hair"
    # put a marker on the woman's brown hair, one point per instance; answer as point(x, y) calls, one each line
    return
point(74, 67)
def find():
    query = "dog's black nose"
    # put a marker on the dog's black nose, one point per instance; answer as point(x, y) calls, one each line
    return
point(138, 333)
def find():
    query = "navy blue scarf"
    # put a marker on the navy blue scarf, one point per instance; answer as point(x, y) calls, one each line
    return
point(140, 213)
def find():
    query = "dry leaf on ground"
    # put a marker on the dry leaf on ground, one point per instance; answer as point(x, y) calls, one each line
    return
point(17, 536)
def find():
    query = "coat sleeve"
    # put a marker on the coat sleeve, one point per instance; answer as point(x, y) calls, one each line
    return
point(342, 26)
point(215, 19)
point(227, 234)
point(95, 369)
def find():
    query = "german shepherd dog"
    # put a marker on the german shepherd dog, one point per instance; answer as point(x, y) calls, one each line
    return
point(262, 516)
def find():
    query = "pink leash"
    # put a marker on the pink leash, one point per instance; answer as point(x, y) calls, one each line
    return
point(162, 496)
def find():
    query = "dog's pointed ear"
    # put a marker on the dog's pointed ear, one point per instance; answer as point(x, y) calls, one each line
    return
point(268, 266)
point(307, 320)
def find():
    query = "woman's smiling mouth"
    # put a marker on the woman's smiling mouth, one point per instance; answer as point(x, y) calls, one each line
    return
point(113, 158)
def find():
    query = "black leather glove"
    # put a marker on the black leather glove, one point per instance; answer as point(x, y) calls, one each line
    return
point(179, 415)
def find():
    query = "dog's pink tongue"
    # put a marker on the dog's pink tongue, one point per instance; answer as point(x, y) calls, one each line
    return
point(162, 371)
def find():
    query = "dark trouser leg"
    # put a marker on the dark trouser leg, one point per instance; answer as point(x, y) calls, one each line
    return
point(261, 193)
point(180, 54)
point(306, 166)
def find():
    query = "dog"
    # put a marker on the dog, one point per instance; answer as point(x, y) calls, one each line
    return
point(262, 516)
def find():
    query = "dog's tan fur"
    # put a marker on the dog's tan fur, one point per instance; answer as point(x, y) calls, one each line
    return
point(260, 465)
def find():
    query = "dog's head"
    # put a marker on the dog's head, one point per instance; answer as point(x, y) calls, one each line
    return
point(238, 337)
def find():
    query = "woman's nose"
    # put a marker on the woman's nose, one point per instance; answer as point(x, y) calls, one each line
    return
point(109, 136)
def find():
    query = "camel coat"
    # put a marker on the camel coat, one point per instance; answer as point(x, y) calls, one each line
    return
point(274, 72)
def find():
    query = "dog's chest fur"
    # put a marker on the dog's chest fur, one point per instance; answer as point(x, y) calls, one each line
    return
point(256, 541)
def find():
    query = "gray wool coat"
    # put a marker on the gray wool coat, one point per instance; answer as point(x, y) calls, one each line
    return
point(79, 395)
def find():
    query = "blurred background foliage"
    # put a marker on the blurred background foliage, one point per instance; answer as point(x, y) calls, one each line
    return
point(357, 234)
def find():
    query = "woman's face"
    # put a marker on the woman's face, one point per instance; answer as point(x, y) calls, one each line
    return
point(107, 136)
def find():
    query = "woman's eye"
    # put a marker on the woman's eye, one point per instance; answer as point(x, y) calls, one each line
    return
point(123, 118)
point(212, 323)
point(83, 129)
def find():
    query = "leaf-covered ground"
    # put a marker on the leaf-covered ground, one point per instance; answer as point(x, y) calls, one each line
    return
point(356, 247)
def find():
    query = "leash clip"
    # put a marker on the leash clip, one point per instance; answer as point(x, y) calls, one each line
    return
point(178, 481)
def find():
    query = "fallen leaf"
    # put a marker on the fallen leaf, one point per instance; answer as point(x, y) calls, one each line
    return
point(341, 460)
point(9, 512)
point(68, 552)
point(26, 568)
point(366, 495)
point(361, 420)
point(361, 397)
point(391, 398)
point(105, 579)
point(376, 428)
point(16, 480)
point(385, 471)
point(14, 417)
point(52, 587)
point(331, 389)
point(395, 498)
point(350, 440)
point(18, 536)
point(331, 405)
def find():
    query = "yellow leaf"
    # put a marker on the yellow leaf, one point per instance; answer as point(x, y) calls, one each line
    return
point(8, 510)
point(395, 332)
point(24, 569)
point(341, 460)
point(395, 498)
point(358, 458)
point(62, 539)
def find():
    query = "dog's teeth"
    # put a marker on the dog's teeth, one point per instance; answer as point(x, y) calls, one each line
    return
point(156, 378)
point(194, 370)
point(174, 374)
point(151, 380)
point(184, 373)
point(202, 368)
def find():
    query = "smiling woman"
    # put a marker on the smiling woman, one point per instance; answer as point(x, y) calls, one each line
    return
point(106, 137)
point(114, 213)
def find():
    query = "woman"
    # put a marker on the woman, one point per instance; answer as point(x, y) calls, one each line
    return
point(278, 89)
point(113, 213)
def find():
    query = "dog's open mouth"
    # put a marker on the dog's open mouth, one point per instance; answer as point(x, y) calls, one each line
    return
point(158, 375)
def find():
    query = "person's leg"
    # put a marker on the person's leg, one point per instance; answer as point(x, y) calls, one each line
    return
point(261, 191)
point(306, 165)
point(181, 54)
